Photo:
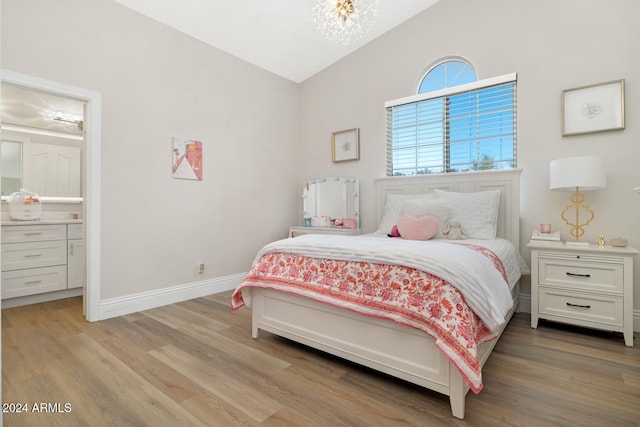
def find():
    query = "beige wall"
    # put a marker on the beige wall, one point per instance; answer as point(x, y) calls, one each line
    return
point(552, 45)
point(157, 83)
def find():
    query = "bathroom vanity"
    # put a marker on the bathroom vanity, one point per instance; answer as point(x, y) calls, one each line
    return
point(42, 260)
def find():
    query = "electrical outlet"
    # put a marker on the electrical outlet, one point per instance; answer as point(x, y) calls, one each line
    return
point(200, 267)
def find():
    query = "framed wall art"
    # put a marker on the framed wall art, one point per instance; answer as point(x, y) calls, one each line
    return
point(187, 159)
point(594, 108)
point(346, 145)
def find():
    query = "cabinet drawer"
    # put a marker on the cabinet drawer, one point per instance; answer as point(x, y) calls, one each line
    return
point(580, 275)
point(33, 281)
point(581, 308)
point(339, 231)
point(16, 256)
point(33, 233)
point(75, 231)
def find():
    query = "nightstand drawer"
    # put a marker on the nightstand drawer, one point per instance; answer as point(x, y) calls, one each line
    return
point(578, 308)
point(579, 275)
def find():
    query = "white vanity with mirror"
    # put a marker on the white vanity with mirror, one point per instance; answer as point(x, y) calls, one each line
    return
point(330, 206)
point(44, 257)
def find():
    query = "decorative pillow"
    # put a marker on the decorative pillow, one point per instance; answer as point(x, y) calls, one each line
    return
point(412, 228)
point(393, 209)
point(477, 212)
point(433, 207)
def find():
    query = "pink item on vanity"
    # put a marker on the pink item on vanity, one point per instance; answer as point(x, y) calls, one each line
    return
point(349, 223)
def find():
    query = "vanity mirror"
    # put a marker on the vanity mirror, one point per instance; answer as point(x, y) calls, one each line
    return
point(333, 197)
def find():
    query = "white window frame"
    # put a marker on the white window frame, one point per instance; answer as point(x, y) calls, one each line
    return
point(447, 92)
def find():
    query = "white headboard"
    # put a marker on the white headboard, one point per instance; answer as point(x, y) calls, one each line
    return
point(505, 180)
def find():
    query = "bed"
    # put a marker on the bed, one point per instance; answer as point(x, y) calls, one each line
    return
point(372, 332)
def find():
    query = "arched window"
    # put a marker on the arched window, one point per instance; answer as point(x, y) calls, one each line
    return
point(455, 123)
point(447, 74)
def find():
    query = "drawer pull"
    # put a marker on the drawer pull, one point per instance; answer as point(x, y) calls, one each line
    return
point(33, 282)
point(32, 255)
point(33, 233)
point(578, 275)
point(578, 305)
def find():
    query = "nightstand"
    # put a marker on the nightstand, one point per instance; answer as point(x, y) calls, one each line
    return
point(295, 231)
point(583, 285)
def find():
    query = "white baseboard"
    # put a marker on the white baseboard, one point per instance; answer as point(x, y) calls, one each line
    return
point(525, 306)
point(525, 303)
point(120, 306)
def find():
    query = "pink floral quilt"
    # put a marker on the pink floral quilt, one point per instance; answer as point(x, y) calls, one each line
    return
point(402, 294)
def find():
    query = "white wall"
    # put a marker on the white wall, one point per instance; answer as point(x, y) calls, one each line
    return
point(552, 45)
point(157, 83)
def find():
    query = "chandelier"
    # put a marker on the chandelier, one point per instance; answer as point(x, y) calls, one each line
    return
point(344, 21)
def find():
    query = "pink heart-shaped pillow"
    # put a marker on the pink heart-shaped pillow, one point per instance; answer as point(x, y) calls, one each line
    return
point(412, 228)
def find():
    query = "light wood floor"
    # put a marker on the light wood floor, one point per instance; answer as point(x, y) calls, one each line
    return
point(194, 363)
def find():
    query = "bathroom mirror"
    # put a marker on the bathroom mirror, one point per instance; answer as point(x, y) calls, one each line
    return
point(11, 167)
point(335, 197)
point(47, 169)
point(42, 143)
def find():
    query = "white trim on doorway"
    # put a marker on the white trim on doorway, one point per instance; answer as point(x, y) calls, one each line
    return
point(92, 175)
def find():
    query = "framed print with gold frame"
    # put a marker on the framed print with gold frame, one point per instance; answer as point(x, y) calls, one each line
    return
point(593, 108)
point(346, 145)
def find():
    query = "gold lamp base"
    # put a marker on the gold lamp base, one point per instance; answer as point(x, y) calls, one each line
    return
point(577, 228)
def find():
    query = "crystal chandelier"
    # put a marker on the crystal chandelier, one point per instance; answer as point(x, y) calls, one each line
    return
point(344, 21)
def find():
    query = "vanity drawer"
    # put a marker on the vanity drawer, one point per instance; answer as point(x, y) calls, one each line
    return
point(17, 256)
point(581, 275)
point(33, 233)
point(75, 231)
point(581, 308)
point(19, 283)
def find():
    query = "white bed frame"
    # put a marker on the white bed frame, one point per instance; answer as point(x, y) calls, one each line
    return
point(383, 345)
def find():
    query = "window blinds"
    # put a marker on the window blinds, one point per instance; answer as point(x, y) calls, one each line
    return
point(461, 128)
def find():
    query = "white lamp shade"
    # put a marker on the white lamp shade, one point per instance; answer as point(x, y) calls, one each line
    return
point(587, 173)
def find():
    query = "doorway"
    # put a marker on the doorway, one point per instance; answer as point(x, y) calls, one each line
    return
point(91, 182)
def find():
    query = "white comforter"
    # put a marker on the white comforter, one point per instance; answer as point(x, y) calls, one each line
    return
point(473, 274)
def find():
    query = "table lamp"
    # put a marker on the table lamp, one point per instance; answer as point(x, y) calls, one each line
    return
point(577, 174)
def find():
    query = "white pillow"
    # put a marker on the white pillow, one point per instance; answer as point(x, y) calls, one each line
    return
point(423, 207)
point(393, 209)
point(477, 212)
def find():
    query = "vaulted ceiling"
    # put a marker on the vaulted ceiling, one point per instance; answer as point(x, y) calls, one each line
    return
point(277, 35)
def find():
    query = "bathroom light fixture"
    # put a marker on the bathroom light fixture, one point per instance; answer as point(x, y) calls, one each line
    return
point(344, 21)
point(577, 174)
point(36, 131)
point(78, 123)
